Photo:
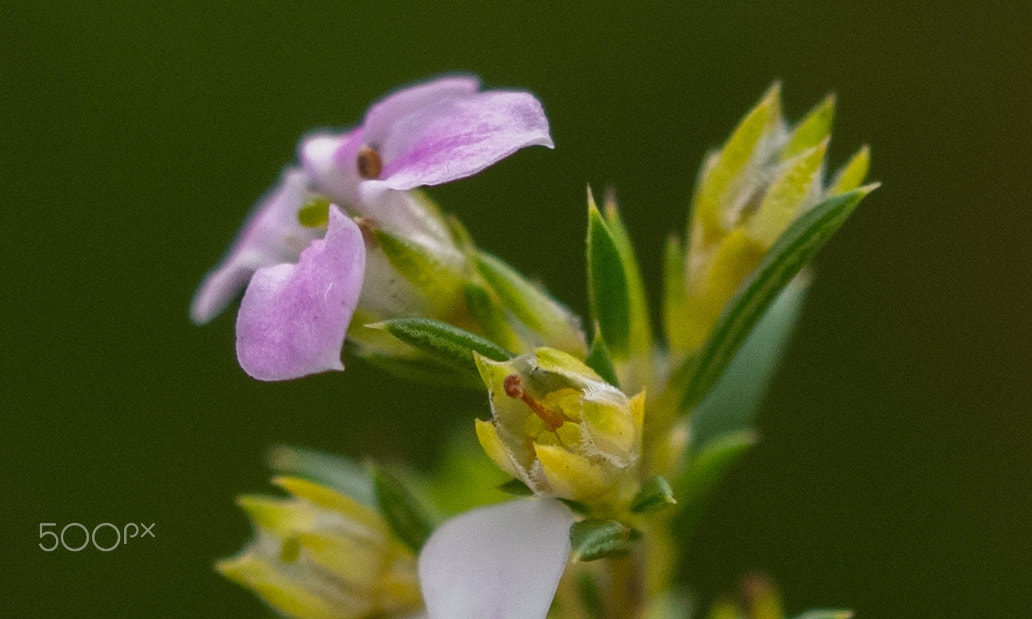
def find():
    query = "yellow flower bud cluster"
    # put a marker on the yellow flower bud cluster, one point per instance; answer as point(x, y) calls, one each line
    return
point(562, 430)
point(319, 553)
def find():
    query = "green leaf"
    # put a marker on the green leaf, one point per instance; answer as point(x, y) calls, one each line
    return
point(793, 249)
point(592, 539)
point(406, 517)
point(539, 312)
point(703, 475)
point(608, 290)
point(490, 316)
point(640, 321)
point(418, 264)
point(340, 474)
point(599, 360)
point(675, 305)
point(655, 494)
point(516, 487)
point(734, 399)
point(443, 341)
point(423, 368)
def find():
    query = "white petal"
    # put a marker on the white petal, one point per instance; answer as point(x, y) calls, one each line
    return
point(502, 561)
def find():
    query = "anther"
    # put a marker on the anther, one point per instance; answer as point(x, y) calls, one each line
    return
point(513, 386)
point(369, 162)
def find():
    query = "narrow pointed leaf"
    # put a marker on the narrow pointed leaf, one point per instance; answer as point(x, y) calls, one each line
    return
point(490, 316)
point(703, 475)
point(426, 369)
point(420, 266)
point(655, 494)
point(341, 474)
point(608, 290)
point(674, 306)
point(599, 360)
point(443, 341)
point(403, 513)
point(554, 323)
point(734, 399)
point(793, 249)
point(640, 325)
point(593, 539)
point(516, 487)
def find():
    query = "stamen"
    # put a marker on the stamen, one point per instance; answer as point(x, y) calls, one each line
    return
point(369, 162)
point(368, 229)
point(513, 386)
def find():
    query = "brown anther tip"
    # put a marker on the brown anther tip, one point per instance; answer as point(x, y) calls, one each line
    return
point(370, 165)
point(368, 229)
point(513, 386)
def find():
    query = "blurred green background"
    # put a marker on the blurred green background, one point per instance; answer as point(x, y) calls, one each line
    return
point(894, 473)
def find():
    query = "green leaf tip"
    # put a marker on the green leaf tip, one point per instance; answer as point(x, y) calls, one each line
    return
point(516, 487)
point(608, 290)
point(655, 494)
point(600, 360)
point(531, 305)
point(443, 341)
point(703, 475)
point(592, 539)
point(405, 516)
point(792, 250)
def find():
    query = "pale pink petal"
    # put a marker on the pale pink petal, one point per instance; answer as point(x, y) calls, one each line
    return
point(457, 137)
point(382, 115)
point(293, 317)
point(331, 162)
point(271, 234)
point(502, 561)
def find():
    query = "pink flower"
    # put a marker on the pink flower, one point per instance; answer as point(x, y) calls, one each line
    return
point(299, 302)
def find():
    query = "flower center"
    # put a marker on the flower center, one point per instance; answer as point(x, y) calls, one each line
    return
point(369, 162)
point(513, 386)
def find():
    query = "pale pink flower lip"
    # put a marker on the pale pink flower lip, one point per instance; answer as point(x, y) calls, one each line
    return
point(293, 317)
point(427, 134)
point(299, 302)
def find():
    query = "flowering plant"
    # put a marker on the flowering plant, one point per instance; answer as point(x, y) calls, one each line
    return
point(614, 439)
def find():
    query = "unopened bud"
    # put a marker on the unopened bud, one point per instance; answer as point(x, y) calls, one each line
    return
point(562, 430)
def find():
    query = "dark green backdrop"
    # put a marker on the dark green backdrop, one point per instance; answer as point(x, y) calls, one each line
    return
point(894, 473)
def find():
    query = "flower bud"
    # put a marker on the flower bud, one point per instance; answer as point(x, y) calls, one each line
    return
point(320, 553)
point(748, 193)
point(562, 430)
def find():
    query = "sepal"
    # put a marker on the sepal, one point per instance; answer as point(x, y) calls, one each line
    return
point(409, 520)
point(442, 341)
point(655, 495)
point(592, 539)
point(548, 321)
